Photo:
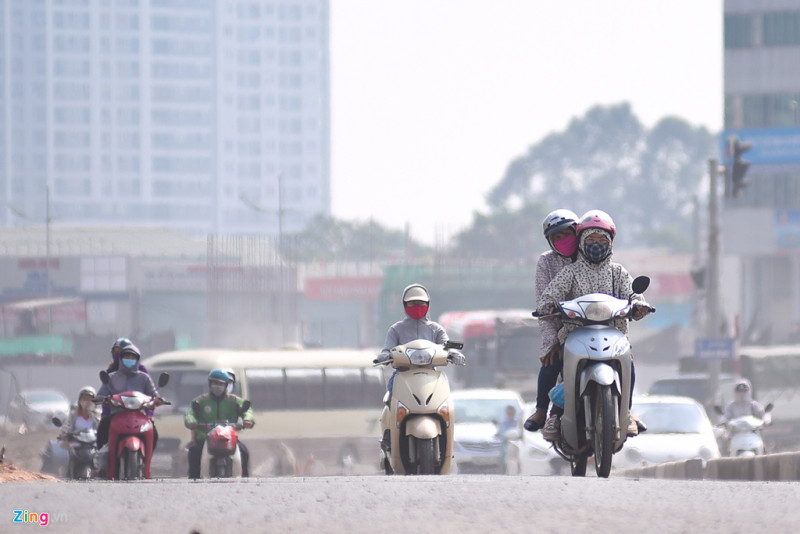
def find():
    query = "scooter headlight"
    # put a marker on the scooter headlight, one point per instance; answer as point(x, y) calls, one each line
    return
point(598, 311)
point(420, 356)
point(131, 403)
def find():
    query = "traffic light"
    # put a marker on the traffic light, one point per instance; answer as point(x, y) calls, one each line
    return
point(698, 274)
point(739, 166)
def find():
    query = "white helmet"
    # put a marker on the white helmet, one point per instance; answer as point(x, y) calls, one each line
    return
point(415, 292)
point(557, 221)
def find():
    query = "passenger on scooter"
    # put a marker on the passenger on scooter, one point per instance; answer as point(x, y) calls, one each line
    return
point(83, 415)
point(127, 378)
point(560, 232)
point(216, 405)
point(743, 404)
point(592, 272)
point(415, 325)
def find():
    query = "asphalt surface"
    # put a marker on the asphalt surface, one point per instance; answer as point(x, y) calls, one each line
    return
point(452, 504)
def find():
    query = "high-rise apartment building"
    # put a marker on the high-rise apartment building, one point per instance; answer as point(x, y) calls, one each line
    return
point(210, 116)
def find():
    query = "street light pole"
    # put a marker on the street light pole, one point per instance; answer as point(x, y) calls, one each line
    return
point(712, 274)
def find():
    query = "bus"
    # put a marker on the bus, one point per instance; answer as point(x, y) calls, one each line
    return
point(502, 349)
point(316, 411)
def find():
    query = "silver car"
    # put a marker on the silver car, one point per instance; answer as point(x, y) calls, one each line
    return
point(484, 426)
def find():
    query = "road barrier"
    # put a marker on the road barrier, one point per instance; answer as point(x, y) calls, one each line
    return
point(781, 466)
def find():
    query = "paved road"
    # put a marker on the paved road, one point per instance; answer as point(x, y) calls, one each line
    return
point(453, 504)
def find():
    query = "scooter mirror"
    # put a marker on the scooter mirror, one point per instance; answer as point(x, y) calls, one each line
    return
point(718, 410)
point(56, 422)
point(163, 379)
point(640, 284)
point(104, 377)
point(195, 408)
point(245, 406)
point(769, 407)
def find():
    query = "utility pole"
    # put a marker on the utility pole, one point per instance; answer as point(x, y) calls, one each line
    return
point(712, 326)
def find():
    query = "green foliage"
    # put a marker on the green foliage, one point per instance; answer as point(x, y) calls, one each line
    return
point(645, 179)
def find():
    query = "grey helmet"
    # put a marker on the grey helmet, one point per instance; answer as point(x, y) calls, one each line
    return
point(558, 220)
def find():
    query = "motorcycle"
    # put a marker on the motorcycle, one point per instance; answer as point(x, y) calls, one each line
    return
point(417, 419)
point(744, 434)
point(597, 378)
point(81, 451)
point(130, 436)
point(222, 446)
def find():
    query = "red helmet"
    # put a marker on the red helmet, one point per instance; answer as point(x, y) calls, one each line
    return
point(596, 219)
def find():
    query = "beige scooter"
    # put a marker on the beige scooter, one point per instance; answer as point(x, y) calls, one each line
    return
point(417, 424)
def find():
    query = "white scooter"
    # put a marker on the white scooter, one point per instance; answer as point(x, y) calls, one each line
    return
point(417, 423)
point(597, 378)
point(744, 434)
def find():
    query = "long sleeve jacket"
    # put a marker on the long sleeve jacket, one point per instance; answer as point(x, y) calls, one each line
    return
point(410, 329)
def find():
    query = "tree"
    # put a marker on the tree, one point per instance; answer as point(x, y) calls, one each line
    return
point(608, 160)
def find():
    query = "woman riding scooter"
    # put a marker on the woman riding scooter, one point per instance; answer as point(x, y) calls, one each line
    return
point(82, 422)
point(592, 272)
point(416, 325)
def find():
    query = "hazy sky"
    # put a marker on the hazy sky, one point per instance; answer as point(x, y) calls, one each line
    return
point(431, 99)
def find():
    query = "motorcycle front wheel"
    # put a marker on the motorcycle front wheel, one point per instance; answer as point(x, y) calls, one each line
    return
point(578, 465)
point(425, 458)
point(603, 430)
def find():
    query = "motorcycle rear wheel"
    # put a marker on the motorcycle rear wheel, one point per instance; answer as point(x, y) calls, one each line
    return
point(603, 430)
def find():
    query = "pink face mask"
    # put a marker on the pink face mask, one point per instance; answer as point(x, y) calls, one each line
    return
point(417, 312)
point(566, 246)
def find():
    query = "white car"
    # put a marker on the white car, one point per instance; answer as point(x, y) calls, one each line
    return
point(678, 428)
point(531, 454)
point(482, 431)
point(36, 407)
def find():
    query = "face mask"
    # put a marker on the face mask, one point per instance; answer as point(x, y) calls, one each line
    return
point(218, 389)
point(596, 252)
point(417, 312)
point(129, 363)
point(566, 246)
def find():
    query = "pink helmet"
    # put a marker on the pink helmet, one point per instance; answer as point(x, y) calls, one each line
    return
point(596, 219)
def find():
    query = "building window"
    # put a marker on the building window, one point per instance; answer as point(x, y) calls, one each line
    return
point(781, 29)
point(738, 31)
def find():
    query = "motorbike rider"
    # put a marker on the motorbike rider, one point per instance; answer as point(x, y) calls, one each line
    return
point(592, 272)
point(83, 415)
point(128, 377)
point(743, 404)
point(415, 325)
point(216, 405)
point(559, 228)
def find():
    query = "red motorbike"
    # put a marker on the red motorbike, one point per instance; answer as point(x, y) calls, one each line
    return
point(131, 433)
point(223, 459)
